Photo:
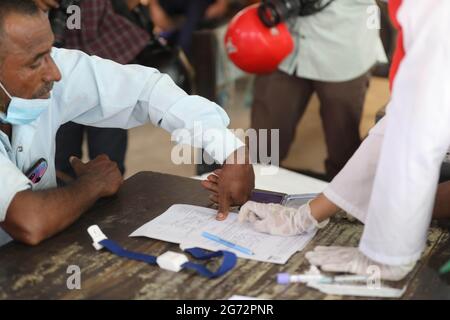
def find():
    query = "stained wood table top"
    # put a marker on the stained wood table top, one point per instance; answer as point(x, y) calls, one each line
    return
point(41, 272)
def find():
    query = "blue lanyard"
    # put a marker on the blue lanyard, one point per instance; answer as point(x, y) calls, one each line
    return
point(228, 262)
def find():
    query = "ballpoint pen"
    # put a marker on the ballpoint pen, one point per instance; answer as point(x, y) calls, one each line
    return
point(227, 243)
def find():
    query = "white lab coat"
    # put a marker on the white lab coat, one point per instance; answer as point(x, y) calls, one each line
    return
point(391, 181)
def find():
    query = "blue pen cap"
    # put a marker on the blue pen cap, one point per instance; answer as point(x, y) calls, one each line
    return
point(283, 278)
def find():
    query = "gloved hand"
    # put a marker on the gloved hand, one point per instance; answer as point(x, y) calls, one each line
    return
point(351, 260)
point(279, 220)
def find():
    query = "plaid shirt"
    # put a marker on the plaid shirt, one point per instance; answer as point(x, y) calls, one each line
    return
point(58, 20)
point(106, 34)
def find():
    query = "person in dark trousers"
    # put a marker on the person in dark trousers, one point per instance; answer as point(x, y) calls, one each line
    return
point(335, 63)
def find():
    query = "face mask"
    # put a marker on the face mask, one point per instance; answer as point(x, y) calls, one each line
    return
point(23, 111)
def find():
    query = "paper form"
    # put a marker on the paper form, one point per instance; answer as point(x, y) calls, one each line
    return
point(184, 224)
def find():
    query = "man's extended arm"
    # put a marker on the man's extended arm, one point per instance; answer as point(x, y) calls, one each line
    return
point(34, 216)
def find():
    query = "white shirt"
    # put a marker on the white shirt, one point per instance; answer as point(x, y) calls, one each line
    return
point(339, 43)
point(102, 93)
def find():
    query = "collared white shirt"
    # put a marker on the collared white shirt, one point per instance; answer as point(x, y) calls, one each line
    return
point(339, 43)
point(102, 93)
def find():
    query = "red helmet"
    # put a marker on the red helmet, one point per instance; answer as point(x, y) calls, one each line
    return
point(252, 46)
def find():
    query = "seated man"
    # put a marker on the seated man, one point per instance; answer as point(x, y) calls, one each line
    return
point(42, 88)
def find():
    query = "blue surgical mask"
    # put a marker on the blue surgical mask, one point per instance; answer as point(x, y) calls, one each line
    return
point(23, 111)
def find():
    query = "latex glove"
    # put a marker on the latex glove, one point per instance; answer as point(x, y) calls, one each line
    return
point(351, 260)
point(279, 220)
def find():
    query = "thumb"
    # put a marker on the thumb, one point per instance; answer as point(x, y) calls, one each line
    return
point(224, 206)
point(244, 213)
point(76, 164)
point(248, 212)
point(262, 226)
point(259, 209)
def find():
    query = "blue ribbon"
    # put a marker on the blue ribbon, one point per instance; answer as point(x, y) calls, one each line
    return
point(228, 262)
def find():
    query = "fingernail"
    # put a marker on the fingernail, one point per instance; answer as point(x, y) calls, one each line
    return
point(220, 216)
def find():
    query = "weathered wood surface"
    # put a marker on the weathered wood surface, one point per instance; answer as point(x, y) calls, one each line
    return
point(41, 272)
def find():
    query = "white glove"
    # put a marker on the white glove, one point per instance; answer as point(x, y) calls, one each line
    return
point(279, 220)
point(351, 260)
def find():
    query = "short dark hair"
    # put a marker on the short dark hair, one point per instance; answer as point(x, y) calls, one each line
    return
point(7, 7)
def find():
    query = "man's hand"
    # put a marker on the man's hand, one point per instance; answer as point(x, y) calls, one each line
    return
point(101, 172)
point(134, 3)
point(233, 184)
point(46, 5)
point(34, 216)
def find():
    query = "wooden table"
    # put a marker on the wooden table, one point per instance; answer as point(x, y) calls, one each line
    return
point(41, 272)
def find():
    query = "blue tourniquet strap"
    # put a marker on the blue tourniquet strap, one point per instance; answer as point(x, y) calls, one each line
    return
point(228, 262)
point(118, 250)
